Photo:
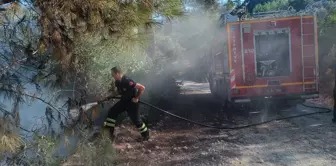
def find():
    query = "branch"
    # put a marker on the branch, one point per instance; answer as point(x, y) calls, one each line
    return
point(12, 115)
point(3, 2)
point(6, 112)
point(54, 94)
point(38, 98)
point(26, 130)
point(12, 64)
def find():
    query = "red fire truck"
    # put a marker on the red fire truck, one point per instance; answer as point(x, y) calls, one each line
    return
point(266, 58)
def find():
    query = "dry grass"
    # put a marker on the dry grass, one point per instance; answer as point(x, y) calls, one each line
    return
point(10, 141)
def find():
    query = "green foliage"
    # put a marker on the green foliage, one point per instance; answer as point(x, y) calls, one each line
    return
point(38, 151)
point(168, 8)
point(253, 3)
point(45, 146)
point(229, 5)
point(94, 36)
point(100, 153)
point(300, 4)
point(108, 20)
point(331, 18)
point(237, 2)
point(107, 54)
point(271, 6)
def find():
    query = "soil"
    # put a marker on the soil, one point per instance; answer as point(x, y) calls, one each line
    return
point(308, 140)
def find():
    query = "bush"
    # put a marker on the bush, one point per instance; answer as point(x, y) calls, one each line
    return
point(101, 153)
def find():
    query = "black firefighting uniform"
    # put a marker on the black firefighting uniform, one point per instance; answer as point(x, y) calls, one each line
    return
point(333, 67)
point(127, 90)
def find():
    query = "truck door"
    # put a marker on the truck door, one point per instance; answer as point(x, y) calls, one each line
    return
point(248, 49)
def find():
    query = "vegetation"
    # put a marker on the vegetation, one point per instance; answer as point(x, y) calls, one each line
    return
point(71, 45)
point(272, 6)
point(229, 5)
point(99, 154)
point(67, 43)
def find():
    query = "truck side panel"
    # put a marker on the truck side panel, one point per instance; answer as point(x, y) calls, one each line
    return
point(302, 77)
point(234, 51)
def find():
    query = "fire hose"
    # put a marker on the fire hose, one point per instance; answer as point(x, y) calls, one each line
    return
point(235, 127)
point(90, 105)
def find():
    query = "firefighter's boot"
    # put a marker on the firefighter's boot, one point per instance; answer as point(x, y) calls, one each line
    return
point(144, 132)
point(145, 135)
point(110, 123)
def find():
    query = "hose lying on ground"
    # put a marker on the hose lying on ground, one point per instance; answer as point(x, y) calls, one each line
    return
point(328, 110)
point(244, 126)
point(234, 127)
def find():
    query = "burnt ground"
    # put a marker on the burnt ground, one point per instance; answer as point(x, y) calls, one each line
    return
point(308, 140)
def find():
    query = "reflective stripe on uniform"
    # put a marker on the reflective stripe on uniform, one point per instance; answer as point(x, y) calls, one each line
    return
point(109, 124)
point(143, 128)
point(110, 120)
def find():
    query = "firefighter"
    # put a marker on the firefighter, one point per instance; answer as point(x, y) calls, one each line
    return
point(331, 68)
point(130, 92)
